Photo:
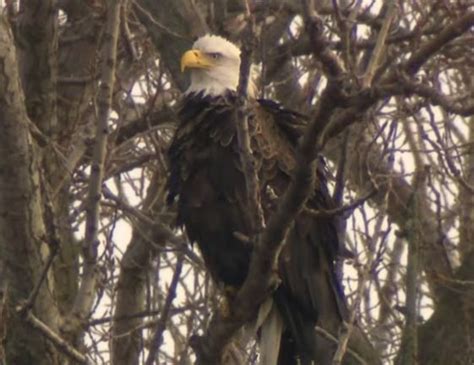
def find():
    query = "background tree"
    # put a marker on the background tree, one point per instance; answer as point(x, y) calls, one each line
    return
point(92, 268)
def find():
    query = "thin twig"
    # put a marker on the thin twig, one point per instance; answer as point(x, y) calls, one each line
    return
point(334, 339)
point(322, 213)
point(463, 106)
point(156, 22)
point(157, 339)
point(34, 293)
point(429, 48)
point(347, 327)
point(161, 233)
point(53, 244)
point(57, 340)
point(143, 314)
point(332, 65)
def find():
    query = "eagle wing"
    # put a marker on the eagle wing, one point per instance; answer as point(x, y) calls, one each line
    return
point(206, 176)
point(310, 293)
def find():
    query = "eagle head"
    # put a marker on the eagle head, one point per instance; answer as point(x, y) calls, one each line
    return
point(214, 64)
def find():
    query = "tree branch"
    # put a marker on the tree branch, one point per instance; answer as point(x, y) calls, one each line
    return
point(379, 46)
point(320, 213)
point(243, 137)
point(408, 354)
point(335, 340)
point(332, 65)
point(429, 48)
point(57, 340)
point(462, 106)
point(34, 293)
point(86, 294)
point(157, 338)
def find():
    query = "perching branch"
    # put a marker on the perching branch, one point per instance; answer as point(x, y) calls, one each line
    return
point(261, 277)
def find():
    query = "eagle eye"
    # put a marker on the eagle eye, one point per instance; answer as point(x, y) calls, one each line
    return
point(215, 55)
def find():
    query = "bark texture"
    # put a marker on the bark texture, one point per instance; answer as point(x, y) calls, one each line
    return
point(23, 242)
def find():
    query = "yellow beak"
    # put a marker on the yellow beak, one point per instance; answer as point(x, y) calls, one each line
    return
point(195, 59)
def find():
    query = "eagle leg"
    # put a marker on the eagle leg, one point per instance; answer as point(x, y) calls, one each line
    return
point(224, 305)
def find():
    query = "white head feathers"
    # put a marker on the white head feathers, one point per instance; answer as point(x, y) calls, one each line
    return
point(213, 43)
point(214, 63)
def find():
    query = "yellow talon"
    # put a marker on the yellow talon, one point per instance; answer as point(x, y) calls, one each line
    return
point(227, 298)
point(224, 307)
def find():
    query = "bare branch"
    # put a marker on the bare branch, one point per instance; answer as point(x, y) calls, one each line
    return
point(344, 209)
point(157, 338)
point(429, 48)
point(379, 46)
point(457, 105)
point(335, 340)
point(409, 346)
point(246, 156)
point(86, 295)
point(332, 65)
point(56, 339)
point(347, 327)
point(34, 293)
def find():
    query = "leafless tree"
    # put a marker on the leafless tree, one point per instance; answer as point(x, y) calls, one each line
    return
point(92, 267)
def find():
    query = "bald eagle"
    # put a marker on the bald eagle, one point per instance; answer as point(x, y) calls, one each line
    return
point(207, 181)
